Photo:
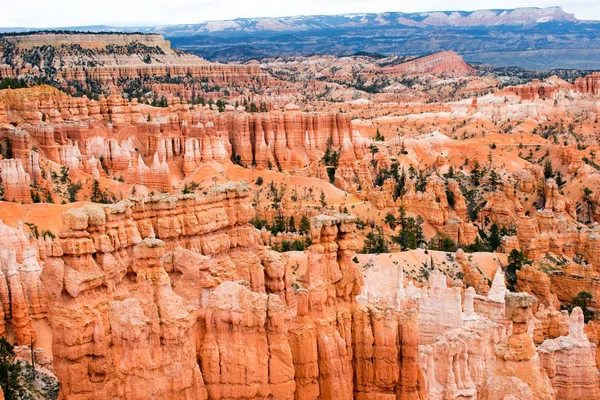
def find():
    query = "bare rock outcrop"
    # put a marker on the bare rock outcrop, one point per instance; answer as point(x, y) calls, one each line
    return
point(570, 362)
point(518, 372)
point(15, 181)
point(445, 63)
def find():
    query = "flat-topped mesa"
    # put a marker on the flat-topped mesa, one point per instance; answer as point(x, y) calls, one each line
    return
point(88, 40)
point(111, 59)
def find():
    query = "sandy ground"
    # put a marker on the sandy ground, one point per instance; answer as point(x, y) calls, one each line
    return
point(45, 216)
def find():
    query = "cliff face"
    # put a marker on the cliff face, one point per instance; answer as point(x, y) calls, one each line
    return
point(572, 380)
point(109, 61)
point(161, 298)
point(15, 181)
point(589, 84)
point(138, 142)
point(176, 297)
point(532, 91)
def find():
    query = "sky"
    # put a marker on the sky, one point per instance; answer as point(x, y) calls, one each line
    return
point(63, 13)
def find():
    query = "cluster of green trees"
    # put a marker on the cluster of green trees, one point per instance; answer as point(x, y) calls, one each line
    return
point(442, 243)
point(489, 242)
point(10, 83)
point(283, 224)
point(393, 172)
point(410, 236)
point(101, 196)
point(296, 245)
point(19, 380)
point(72, 190)
point(35, 232)
point(190, 188)
point(588, 202)
point(162, 102)
point(582, 300)
point(516, 260)
point(376, 242)
point(10, 371)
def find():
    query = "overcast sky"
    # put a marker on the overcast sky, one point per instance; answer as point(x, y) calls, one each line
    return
point(61, 13)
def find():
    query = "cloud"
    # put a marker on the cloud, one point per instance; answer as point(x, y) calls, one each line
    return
point(60, 13)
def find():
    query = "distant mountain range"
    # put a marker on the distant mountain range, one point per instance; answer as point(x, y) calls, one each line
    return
point(533, 38)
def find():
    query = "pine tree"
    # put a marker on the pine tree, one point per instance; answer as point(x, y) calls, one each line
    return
point(96, 192)
point(304, 228)
point(49, 198)
point(494, 239)
point(494, 179)
point(35, 196)
point(560, 182)
point(548, 173)
point(9, 370)
point(391, 220)
point(476, 173)
point(292, 225)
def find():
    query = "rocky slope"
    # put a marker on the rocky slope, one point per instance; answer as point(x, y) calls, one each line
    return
point(446, 63)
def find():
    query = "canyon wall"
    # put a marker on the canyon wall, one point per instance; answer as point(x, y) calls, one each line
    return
point(177, 297)
point(160, 298)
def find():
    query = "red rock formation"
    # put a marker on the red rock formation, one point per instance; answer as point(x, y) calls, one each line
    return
point(553, 324)
point(432, 205)
point(538, 284)
point(131, 311)
point(116, 58)
point(589, 84)
point(532, 91)
point(445, 63)
point(244, 352)
point(321, 337)
point(15, 181)
point(14, 239)
point(570, 362)
point(592, 331)
point(518, 372)
point(111, 354)
point(78, 132)
point(155, 177)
